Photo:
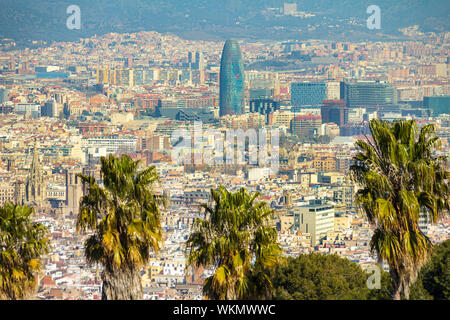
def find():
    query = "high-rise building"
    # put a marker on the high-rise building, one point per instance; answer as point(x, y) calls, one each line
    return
point(191, 57)
point(308, 93)
point(200, 61)
point(439, 105)
point(369, 94)
point(232, 88)
point(195, 61)
point(50, 109)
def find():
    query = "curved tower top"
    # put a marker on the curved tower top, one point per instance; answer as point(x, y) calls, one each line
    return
point(232, 88)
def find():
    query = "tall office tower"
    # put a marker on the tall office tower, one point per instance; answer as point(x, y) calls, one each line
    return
point(308, 93)
point(200, 61)
point(3, 94)
point(50, 109)
point(369, 94)
point(232, 87)
point(191, 58)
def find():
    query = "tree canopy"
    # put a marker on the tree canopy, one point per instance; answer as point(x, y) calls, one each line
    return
point(22, 243)
point(317, 276)
point(125, 217)
point(235, 237)
point(433, 281)
point(400, 178)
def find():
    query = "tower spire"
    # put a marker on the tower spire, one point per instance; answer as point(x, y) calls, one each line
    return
point(35, 181)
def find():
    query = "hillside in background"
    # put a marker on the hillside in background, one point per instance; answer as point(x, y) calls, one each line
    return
point(219, 19)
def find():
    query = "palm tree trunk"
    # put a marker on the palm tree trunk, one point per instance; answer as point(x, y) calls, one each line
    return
point(121, 285)
point(397, 284)
point(406, 290)
point(231, 291)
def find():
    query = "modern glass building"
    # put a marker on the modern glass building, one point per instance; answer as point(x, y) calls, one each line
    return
point(439, 105)
point(264, 107)
point(369, 94)
point(308, 93)
point(232, 88)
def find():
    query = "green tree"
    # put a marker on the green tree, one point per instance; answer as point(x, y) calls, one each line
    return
point(237, 239)
point(400, 178)
point(434, 278)
point(125, 217)
point(22, 243)
point(317, 276)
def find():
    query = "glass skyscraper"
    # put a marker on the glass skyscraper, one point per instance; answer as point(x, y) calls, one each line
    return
point(231, 80)
point(308, 93)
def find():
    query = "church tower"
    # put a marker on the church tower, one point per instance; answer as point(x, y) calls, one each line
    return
point(34, 187)
point(74, 191)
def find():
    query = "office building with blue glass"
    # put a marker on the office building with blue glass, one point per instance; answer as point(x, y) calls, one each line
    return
point(439, 105)
point(369, 94)
point(308, 93)
point(232, 85)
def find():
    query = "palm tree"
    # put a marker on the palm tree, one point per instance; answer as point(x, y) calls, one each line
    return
point(22, 243)
point(236, 238)
point(125, 217)
point(401, 179)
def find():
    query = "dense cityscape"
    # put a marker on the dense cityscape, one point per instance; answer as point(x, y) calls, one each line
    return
point(65, 105)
